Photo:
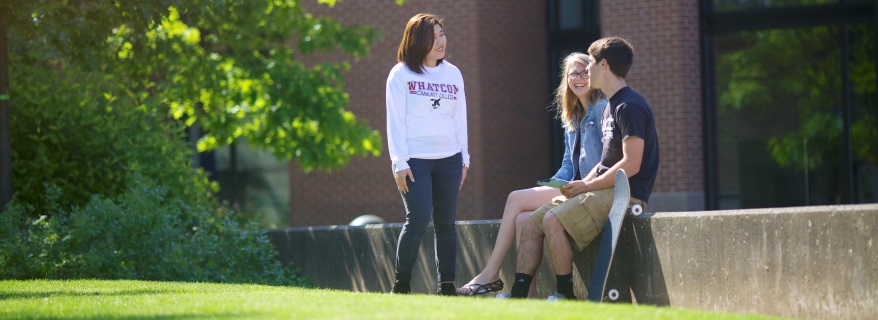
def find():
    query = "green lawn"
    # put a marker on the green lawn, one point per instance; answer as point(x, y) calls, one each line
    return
point(137, 299)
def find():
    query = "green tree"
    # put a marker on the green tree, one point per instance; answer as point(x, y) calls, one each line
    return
point(101, 93)
point(226, 64)
point(231, 66)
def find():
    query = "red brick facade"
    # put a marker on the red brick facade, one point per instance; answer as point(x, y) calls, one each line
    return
point(501, 48)
point(667, 71)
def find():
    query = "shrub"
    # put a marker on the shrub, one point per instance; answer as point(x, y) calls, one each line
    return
point(84, 132)
point(140, 234)
point(104, 186)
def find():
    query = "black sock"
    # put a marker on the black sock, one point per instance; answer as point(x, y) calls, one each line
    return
point(565, 285)
point(521, 285)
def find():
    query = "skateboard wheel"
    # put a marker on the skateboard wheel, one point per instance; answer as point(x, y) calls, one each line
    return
point(636, 209)
point(613, 294)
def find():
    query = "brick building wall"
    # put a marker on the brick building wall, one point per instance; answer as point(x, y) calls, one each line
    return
point(500, 47)
point(667, 72)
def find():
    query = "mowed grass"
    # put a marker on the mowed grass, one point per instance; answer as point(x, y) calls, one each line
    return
point(147, 299)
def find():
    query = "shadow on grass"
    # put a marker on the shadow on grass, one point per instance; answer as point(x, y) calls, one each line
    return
point(8, 295)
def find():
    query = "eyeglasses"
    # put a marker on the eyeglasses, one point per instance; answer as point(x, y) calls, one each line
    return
point(581, 75)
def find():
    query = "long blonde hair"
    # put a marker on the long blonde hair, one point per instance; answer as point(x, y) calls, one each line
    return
point(566, 102)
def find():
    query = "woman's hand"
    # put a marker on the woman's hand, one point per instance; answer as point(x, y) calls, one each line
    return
point(463, 177)
point(400, 176)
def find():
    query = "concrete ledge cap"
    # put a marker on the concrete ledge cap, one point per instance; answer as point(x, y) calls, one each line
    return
point(765, 211)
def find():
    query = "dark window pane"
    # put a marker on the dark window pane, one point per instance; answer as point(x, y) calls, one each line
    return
point(779, 117)
point(255, 183)
point(864, 111)
point(570, 14)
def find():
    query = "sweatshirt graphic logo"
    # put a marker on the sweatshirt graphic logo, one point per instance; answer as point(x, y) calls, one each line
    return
point(433, 90)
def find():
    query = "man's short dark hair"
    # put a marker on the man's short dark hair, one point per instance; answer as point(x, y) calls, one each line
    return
point(618, 52)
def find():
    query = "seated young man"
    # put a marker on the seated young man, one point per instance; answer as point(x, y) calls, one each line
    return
point(629, 142)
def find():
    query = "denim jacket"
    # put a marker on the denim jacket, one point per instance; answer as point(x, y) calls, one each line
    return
point(591, 145)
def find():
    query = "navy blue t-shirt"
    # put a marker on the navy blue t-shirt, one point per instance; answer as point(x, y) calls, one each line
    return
point(630, 115)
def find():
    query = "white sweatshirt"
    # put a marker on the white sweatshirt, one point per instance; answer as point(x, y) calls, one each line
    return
point(426, 114)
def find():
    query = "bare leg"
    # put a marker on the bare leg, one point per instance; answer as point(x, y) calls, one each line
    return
point(560, 250)
point(519, 202)
point(530, 246)
point(532, 291)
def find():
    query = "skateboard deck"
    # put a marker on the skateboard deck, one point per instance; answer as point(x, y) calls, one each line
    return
point(621, 198)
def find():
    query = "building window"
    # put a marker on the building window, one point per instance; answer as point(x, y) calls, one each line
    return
point(570, 14)
point(254, 182)
point(573, 26)
point(792, 106)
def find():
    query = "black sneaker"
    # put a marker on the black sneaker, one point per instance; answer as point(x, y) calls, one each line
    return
point(401, 287)
point(447, 289)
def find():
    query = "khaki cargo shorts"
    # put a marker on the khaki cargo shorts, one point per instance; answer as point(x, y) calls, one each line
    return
point(583, 216)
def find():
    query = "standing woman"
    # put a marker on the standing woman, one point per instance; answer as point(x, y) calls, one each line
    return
point(427, 138)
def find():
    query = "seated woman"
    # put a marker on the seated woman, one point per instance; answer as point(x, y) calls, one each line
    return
point(579, 108)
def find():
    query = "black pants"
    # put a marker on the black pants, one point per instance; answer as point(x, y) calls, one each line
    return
point(433, 195)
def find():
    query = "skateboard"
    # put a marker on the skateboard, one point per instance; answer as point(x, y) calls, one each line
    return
point(621, 199)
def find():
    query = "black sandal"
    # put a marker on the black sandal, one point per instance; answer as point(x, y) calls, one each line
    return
point(477, 289)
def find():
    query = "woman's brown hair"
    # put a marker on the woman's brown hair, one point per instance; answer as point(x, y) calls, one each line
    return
point(417, 41)
point(566, 102)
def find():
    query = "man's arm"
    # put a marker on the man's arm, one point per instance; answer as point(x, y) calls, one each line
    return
point(592, 174)
point(632, 156)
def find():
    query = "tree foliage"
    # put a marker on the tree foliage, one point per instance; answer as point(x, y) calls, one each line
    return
point(102, 93)
point(228, 65)
point(85, 132)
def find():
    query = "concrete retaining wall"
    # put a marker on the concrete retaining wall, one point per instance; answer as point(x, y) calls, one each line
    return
point(808, 262)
